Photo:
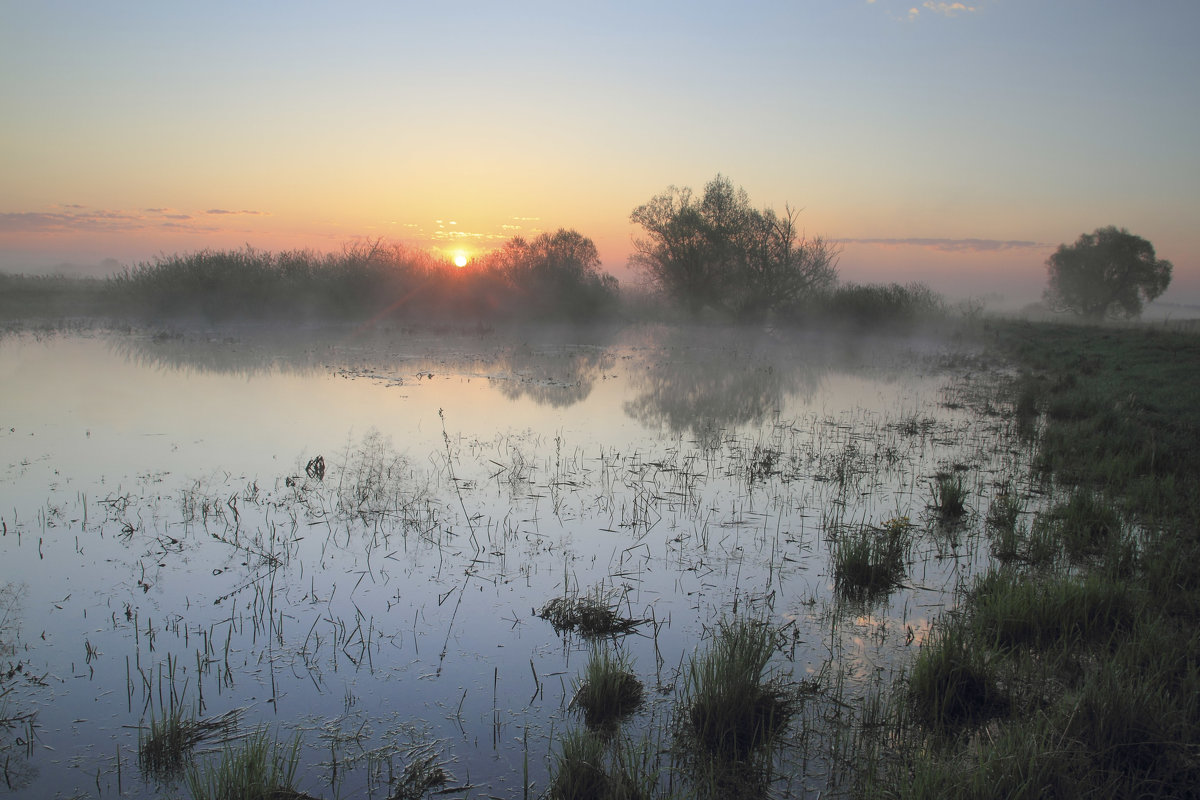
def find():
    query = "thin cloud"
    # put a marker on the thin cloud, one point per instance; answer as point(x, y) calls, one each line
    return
point(955, 245)
point(948, 9)
point(75, 218)
point(243, 211)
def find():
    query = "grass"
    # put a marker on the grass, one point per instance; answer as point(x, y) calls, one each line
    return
point(950, 495)
point(609, 689)
point(592, 766)
point(951, 684)
point(593, 614)
point(868, 562)
point(165, 748)
point(257, 767)
point(1074, 670)
point(732, 703)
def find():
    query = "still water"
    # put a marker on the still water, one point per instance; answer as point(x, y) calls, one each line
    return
point(171, 540)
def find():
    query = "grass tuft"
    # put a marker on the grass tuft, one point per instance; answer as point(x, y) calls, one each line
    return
point(590, 765)
point(609, 689)
point(166, 747)
point(257, 768)
point(950, 495)
point(868, 562)
point(733, 705)
point(951, 684)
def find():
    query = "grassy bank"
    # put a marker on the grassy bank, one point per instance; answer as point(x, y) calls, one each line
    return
point(1072, 668)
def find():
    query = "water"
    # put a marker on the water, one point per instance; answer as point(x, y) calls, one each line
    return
point(169, 540)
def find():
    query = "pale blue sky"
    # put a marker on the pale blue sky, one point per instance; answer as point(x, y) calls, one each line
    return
point(953, 145)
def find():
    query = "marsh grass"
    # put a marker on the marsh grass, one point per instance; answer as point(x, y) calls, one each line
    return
point(1011, 609)
point(609, 689)
point(256, 767)
point(1086, 525)
point(591, 765)
point(1074, 671)
point(166, 747)
point(422, 774)
point(732, 703)
point(949, 495)
point(868, 561)
point(952, 683)
point(593, 614)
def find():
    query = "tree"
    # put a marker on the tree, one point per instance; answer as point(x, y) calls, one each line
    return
point(554, 274)
point(721, 252)
point(1109, 273)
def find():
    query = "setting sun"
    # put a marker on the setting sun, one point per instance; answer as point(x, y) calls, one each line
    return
point(460, 259)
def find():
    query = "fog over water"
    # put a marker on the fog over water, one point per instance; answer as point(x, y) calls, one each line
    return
point(168, 538)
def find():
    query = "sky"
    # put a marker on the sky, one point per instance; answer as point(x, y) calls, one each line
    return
point(952, 143)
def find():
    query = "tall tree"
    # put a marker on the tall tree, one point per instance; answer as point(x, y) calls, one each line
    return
point(1109, 273)
point(719, 251)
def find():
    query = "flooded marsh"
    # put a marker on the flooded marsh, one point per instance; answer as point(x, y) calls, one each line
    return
point(365, 541)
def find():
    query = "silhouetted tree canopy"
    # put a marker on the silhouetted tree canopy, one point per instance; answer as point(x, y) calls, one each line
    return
point(720, 251)
point(1107, 273)
point(554, 274)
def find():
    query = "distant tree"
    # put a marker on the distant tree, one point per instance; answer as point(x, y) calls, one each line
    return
point(1109, 273)
point(720, 251)
point(554, 274)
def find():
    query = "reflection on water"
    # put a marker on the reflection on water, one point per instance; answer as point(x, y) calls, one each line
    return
point(19, 685)
point(159, 493)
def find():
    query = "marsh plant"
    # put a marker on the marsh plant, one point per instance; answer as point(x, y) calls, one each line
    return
point(609, 689)
point(594, 614)
point(165, 748)
point(869, 561)
point(732, 702)
point(257, 767)
point(950, 494)
point(952, 683)
point(590, 765)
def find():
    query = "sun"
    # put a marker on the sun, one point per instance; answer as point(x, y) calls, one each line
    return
point(460, 259)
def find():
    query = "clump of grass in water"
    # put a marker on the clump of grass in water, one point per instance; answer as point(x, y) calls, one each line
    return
point(584, 769)
point(166, 747)
point(950, 495)
point(870, 561)
point(257, 768)
point(609, 689)
point(951, 684)
point(593, 614)
point(420, 775)
point(732, 703)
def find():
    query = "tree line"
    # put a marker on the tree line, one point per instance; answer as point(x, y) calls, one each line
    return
point(711, 253)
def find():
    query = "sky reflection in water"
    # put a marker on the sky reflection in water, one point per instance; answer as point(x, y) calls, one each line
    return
point(156, 505)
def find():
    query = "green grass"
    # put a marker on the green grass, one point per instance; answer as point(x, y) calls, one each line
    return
point(257, 767)
point(868, 562)
point(952, 684)
point(1074, 670)
point(732, 702)
point(590, 765)
point(609, 689)
point(1011, 609)
point(166, 746)
point(950, 495)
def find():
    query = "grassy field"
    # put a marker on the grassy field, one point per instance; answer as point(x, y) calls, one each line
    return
point(1072, 668)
